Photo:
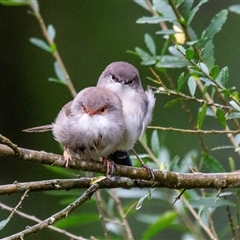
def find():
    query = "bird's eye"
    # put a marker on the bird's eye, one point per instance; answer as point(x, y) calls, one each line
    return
point(130, 82)
point(102, 109)
point(84, 108)
point(113, 77)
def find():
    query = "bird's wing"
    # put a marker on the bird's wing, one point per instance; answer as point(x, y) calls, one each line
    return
point(150, 103)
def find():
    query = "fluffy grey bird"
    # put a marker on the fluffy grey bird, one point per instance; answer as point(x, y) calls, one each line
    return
point(89, 127)
point(123, 79)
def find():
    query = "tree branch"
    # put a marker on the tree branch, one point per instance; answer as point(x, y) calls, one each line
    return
point(195, 131)
point(163, 178)
point(63, 213)
point(35, 219)
point(54, 52)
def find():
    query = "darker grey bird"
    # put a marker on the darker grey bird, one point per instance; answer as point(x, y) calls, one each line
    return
point(123, 79)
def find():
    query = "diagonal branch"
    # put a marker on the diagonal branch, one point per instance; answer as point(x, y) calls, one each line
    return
point(35, 219)
point(57, 216)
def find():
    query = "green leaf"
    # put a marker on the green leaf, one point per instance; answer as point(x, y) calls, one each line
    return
point(235, 105)
point(201, 115)
point(56, 80)
point(235, 96)
point(59, 73)
point(194, 11)
point(4, 223)
point(150, 44)
point(164, 9)
point(40, 43)
point(168, 61)
point(203, 68)
point(147, 196)
point(235, 8)
point(192, 84)
point(212, 164)
point(232, 164)
point(173, 102)
point(222, 77)
point(189, 53)
point(180, 82)
point(214, 71)
point(155, 145)
point(15, 2)
point(146, 58)
point(153, 20)
point(215, 26)
point(187, 9)
point(207, 81)
point(143, 54)
point(233, 115)
point(220, 114)
point(164, 221)
point(226, 92)
point(208, 54)
point(53, 47)
point(51, 32)
point(166, 32)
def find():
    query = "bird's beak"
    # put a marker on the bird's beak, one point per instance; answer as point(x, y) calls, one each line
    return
point(91, 113)
point(122, 81)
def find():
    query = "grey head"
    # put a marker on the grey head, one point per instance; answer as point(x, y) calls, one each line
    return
point(123, 73)
point(96, 100)
point(92, 123)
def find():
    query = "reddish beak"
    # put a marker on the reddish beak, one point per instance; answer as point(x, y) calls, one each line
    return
point(90, 113)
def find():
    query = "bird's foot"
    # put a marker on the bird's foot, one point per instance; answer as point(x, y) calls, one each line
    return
point(143, 165)
point(110, 166)
point(67, 157)
point(150, 170)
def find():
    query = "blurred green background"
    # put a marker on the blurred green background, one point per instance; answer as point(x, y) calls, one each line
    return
point(89, 35)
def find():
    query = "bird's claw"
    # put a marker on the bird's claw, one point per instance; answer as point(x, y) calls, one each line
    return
point(67, 157)
point(150, 170)
point(110, 166)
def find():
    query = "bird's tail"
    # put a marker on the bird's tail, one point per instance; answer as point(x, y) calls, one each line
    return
point(44, 128)
point(121, 157)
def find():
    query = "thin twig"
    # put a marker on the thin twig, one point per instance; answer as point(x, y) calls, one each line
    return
point(57, 216)
point(55, 53)
point(125, 224)
point(101, 214)
point(7, 142)
point(195, 131)
point(191, 98)
point(155, 13)
point(230, 221)
point(150, 153)
point(18, 205)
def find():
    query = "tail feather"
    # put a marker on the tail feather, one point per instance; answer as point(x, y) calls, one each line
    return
point(121, 157)
point(44, 128)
